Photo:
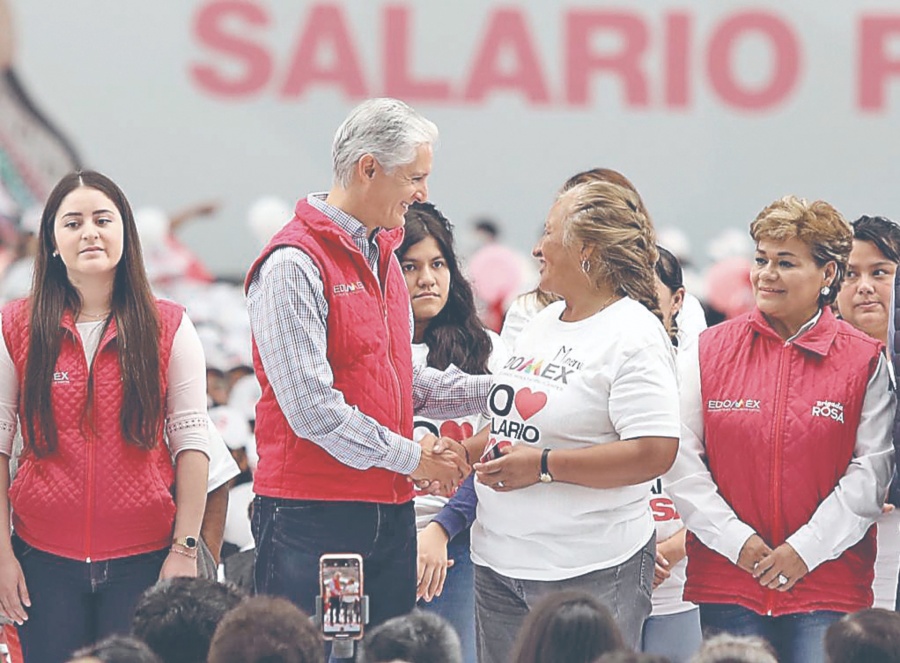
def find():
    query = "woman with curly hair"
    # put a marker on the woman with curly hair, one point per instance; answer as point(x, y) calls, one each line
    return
point(585, 416)
point(786, 447)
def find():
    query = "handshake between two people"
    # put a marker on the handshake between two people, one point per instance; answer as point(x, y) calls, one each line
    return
point(444, 465)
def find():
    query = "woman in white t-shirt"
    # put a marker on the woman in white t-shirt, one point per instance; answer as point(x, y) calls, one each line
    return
point(586, 413)
point(673, 628)
point(446, 331)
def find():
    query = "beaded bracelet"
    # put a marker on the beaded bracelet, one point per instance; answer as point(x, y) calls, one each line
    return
point(177, 549)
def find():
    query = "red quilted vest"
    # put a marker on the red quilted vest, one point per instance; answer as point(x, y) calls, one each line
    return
point(96, 497)
point(780, 422)
point(369, 351)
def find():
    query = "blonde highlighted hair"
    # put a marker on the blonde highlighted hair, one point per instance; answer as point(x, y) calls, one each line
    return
point(818, 225)
point(609, 219)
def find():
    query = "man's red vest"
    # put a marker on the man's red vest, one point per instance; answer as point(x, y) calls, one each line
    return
point(780, 424)
point(96, 497)
point(369, 351)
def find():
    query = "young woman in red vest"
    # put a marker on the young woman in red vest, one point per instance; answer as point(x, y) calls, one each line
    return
point(786, 445)
point(108, 386)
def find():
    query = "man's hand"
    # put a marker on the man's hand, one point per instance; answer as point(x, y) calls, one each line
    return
point(442, 470)
point(752, 553)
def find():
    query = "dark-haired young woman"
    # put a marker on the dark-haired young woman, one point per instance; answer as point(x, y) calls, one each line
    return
point(864, 301)
point(447, 331)
point(99, 375)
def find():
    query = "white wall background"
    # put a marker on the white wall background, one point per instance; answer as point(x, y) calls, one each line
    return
point(116, 77)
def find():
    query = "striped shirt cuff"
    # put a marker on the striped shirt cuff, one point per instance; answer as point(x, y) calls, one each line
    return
point(402, 455)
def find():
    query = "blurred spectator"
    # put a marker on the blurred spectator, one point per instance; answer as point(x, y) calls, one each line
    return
point(177, 617)
point(726, 648)
point(166, 258)
point(865, 637)
point(623, 656)
point(498, 274)
point(216, 387)
point(569, 626)
point(728, 289)
point(266, 630)
point(116, 649)
point(266, 216)
point(235, 430)
point(222, 469)
point(419, 637)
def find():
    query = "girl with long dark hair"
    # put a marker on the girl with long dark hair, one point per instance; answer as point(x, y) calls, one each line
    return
point(447, 331)
point(108, 386)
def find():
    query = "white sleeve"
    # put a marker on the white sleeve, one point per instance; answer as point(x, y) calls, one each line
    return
point(517, 316)
point(846, 514)
point(689, 482)
point(9, 398)
point(222, 467)
point(641, 397)
point(187, 421)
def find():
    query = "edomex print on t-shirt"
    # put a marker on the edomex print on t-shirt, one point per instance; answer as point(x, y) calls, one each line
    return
point(524, 388)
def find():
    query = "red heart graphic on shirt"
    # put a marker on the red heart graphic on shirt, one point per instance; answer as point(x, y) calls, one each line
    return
point(529, 403)
point(456, 431)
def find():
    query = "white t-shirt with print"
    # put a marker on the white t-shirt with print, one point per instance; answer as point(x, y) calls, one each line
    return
point(428, 506)
point(570, 385)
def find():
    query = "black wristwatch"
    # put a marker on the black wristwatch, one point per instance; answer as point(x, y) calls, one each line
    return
point(189, 542)
point(546, 477)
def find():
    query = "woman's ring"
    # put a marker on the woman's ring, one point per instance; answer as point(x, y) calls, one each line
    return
point(782, 579)
point(500, 485)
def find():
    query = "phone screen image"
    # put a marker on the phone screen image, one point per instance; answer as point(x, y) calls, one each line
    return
point(341, 577)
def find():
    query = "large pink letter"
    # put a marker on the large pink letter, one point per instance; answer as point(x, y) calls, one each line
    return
point(209, 28)
point(398, 81)
point(785, 71)
point(325, 27)
point(678, 62)
point(874, 65)
point(506, 30)
point(582, 60)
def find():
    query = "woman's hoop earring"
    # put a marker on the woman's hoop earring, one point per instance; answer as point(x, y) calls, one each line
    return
point(825, 291)
point(586, 266)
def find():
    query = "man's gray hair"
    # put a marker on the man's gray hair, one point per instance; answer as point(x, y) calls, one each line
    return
point(388, 129)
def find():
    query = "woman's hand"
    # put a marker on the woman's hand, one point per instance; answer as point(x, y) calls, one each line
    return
point(178, 565)
point(432, 561)
point(13, 591)
point(519, 467)
point(668, 554)
point(782, 564)
point(752, 553)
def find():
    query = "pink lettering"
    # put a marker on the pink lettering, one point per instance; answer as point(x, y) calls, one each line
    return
point(398, 79)
point(677, 30)
point(506, 32)
point(325, 29)
point(582, 60)
point(210, 27)
point(875, 67)
point(785, 69)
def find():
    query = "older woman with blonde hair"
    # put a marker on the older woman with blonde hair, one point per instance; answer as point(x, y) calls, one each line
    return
point(786, 445)
point(583, 417)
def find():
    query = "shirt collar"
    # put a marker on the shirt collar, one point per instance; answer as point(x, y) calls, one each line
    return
point(346, 222)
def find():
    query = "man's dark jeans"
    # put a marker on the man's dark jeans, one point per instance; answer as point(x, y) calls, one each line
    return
point(291, 535)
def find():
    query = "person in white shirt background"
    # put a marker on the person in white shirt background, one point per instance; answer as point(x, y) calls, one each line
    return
point(673, 628)
point(587, 401)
